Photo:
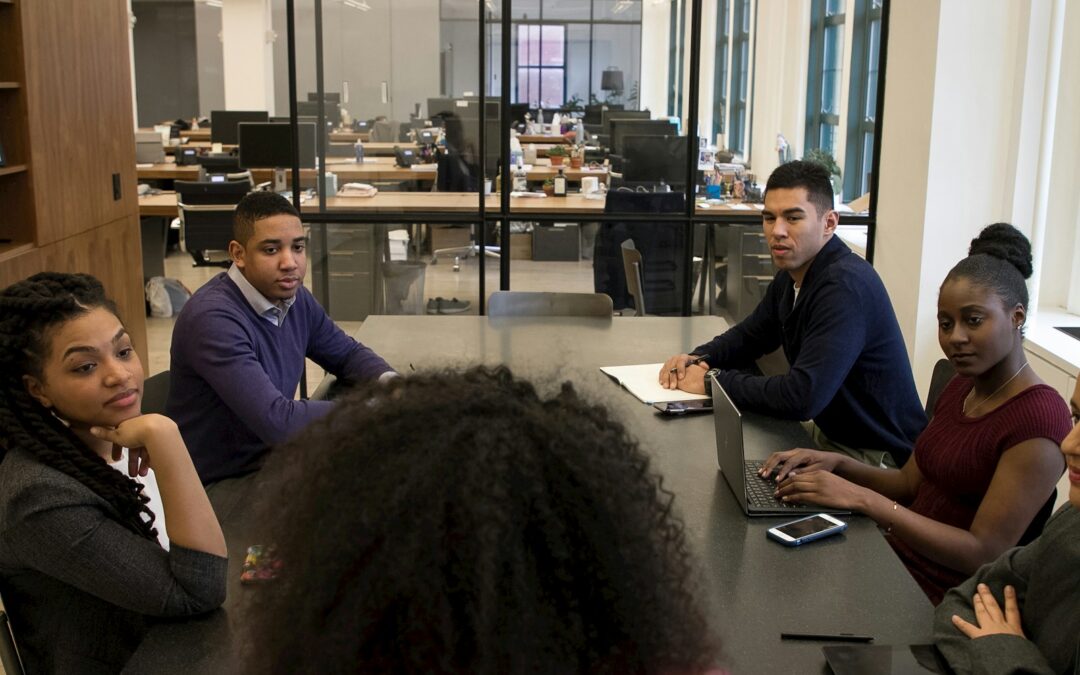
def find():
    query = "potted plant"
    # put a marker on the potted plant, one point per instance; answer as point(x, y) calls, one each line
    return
point(557, 153)
point(825, 159)
point(577, 156)
point(549, 187)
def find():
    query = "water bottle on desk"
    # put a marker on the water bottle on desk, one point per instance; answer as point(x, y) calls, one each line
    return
point(359, 152)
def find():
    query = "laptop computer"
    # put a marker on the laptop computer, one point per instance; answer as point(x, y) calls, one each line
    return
point(754, 493)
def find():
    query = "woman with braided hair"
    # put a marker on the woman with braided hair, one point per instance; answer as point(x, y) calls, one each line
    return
point(90, 555)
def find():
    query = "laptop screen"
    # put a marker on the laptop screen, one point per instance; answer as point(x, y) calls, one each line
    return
point(729, 441)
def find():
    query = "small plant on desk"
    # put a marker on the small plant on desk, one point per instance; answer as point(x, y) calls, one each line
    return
point(577, 156)
point(549, 187)
point(556, 154)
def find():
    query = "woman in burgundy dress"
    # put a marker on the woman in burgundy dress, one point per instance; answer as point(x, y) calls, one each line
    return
point(989, 459)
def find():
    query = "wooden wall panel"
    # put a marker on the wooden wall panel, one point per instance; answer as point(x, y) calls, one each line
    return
point(80, 113)
point(112, 253)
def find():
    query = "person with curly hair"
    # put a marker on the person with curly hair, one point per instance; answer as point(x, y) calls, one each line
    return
point(460, 522)
point(989, 460)
point(94, 544)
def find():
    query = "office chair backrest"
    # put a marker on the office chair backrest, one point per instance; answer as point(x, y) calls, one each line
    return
point(633, 266)
point(384, 131)
point(527, 303)
point(220, 164)
point(9, 654)
point(155, 393)
point(194, 193)
point(1036, 527)
point(662, 246)
point(943, 372)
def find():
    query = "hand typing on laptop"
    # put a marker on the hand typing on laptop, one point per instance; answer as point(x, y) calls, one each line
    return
point(780, 464)
point(807, 476)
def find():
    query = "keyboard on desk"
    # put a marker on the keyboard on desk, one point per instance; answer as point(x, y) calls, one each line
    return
point(759, 490)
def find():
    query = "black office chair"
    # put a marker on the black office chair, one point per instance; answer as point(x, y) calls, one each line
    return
point(633, 265)
point(454, 174)
point(155, 393)
point(662, 246)
point(217, 165)
point(943, 372)
point(206, 216)
point(9, 654)
point(1036, 527)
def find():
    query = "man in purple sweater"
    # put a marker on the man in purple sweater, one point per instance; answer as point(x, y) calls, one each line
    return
point(239, 344)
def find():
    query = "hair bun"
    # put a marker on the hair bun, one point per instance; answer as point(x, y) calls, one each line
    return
point(1003, 241)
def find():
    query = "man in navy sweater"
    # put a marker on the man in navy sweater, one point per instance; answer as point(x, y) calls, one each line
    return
point(239, 344)
point(828, 309)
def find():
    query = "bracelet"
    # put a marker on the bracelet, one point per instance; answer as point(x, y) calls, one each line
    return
point(888, 530)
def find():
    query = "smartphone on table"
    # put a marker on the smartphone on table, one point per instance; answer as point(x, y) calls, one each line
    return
point(807, 529)
point(703, 405)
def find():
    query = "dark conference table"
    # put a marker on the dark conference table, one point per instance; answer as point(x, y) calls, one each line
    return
point(753, 588)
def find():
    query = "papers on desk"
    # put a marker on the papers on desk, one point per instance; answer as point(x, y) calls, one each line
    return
point(533, 195)
point(643, 382)
point(357, 190)
point(424, 167)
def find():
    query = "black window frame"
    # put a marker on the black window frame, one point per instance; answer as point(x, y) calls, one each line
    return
point(816, 116)
point(859, 125)
point(502, 215)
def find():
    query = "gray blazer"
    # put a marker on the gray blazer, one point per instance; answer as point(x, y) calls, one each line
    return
point(1045, 576)
point(82, 589)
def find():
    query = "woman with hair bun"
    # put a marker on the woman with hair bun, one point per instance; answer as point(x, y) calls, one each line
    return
point(989, 459)
point(93, 543)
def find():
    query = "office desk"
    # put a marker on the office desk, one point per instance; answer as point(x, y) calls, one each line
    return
point(544, 138)
point(348, 170)
point(196, 134)
point(752, 588)
point(574, 204)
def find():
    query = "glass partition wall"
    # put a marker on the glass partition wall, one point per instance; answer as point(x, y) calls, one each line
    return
point(628, 128)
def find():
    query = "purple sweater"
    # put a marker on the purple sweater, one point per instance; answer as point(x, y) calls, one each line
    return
point(234, 374)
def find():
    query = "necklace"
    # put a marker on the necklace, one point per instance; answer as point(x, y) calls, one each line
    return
point(963, 408)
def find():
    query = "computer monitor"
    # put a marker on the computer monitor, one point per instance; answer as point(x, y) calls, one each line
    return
point(652, 159)
point(268, 145)
point(311, 109)
point(436, 106)
point(223, 123)
point(621, 128)
point(593, 113)
point(331, 96)
point(618, 113)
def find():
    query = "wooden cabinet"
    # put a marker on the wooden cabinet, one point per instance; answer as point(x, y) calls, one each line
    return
point(67, 192)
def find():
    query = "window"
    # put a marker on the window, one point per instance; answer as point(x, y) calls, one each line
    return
point(541, 72)
point(721, 72)
point(740, 63)
point(862, 107)
point(675, 59)
point(825, 75)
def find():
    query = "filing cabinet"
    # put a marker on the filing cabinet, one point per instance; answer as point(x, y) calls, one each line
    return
point(750, 269)
point(344, 275)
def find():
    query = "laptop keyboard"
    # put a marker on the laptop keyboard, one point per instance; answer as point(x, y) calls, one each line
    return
point(759, 491)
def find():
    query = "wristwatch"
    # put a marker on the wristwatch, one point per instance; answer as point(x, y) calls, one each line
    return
point(709, 374)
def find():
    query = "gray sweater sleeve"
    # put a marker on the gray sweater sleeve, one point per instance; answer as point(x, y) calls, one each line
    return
point(64, 530)
point(992, 654)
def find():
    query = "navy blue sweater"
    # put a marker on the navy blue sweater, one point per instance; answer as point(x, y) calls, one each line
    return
point(850, 371)
point(234, 374)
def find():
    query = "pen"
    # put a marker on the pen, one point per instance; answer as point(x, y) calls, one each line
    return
point(828, 637)
point(692, 362)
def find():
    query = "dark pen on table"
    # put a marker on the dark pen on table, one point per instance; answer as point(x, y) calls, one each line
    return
point(828, 637)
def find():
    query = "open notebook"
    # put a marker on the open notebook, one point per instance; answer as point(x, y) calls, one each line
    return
point(643, 382)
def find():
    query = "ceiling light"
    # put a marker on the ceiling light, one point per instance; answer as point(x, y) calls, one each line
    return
point(213, 3)
point(357, 4)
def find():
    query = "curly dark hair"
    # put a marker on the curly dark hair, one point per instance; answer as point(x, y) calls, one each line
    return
point(999, 259)
point(458, 522)
point(809, 175)
point(29, 311)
